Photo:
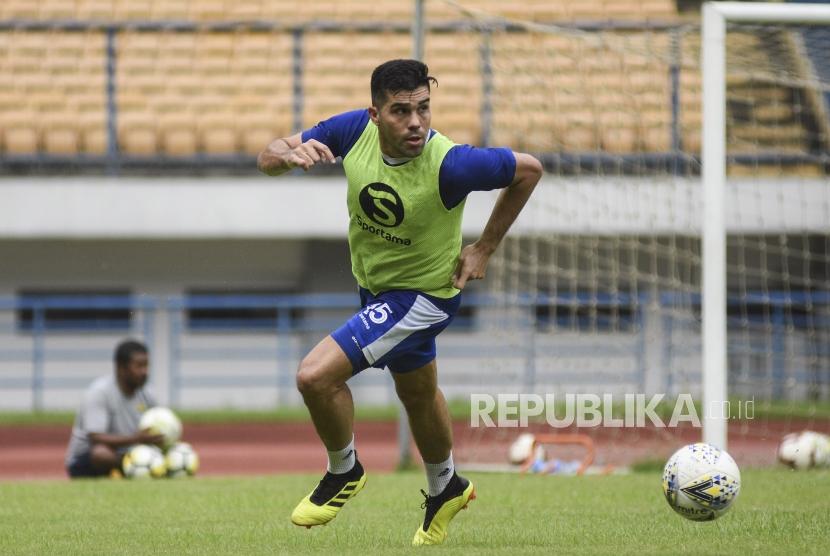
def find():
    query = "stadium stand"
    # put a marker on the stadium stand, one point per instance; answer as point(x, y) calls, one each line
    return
point(227, 92)
point(52, 93)
point(613, 103)
point(330, 10)
point(765, 113)
point(183, 93)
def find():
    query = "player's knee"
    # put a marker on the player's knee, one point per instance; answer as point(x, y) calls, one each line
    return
point(311, 380)
point(103, 457)
point(416, 394)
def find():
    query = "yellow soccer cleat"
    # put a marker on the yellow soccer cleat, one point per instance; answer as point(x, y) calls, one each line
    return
point(441, 509)
point(322, 505)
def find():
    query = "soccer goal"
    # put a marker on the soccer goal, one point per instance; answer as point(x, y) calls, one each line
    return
point(679, 243)
point(793, 41)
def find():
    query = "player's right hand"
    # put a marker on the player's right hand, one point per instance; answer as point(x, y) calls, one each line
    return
point(148, 437)
point(308, 154)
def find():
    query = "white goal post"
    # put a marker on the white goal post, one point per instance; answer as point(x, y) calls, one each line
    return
point(716, 15)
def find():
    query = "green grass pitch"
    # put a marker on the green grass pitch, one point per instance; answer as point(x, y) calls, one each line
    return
point(778, 512)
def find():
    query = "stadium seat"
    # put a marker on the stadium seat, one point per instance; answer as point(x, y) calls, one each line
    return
point(137, 134)
point(179, 141)
point(656, 138)
point(257, 135)
point(61, 136)
point(133, 9)
point(217, 134)
point(19, 9)
point(176, 10)
point(244, 10)
point(210, 10)
point(95, 9)
point(20, 133)
point(57, 9)
point(94, 133)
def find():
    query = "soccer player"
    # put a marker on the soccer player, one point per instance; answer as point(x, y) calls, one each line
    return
point(407, 185)
point(107, 422)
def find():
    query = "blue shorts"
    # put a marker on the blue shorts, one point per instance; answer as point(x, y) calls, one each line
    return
point(395, 329)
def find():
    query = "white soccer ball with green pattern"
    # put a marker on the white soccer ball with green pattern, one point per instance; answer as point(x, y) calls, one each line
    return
point(182, 460)
point(144, 462)
point(701, 482)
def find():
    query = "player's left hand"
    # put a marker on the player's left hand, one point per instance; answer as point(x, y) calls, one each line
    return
point(472, 264)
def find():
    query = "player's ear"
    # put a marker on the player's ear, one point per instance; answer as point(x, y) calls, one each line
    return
point(373, 114)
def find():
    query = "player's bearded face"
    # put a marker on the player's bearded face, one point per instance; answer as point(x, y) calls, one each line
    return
point(403, 122)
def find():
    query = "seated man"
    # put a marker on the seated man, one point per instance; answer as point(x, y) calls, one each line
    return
point(107, 422)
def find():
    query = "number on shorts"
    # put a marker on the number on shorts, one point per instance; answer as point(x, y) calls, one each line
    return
point(378, 312)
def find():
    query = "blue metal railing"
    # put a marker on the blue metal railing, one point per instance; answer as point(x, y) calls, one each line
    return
point(776, 315)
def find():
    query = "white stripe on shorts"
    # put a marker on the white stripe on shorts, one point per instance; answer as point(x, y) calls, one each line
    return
point(420, 316)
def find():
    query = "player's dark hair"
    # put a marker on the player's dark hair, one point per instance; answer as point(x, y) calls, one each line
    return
point(398, 75)
point(125, 350)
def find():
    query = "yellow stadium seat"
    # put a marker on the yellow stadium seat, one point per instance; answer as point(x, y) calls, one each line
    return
point(217, 133)
point(207, 10)
point(691, 140)
point(86, 103)
point(137, 44)
point(137, 134)
point(95, 9)
point(219, 141)
point(619, 140)
point(179, 142)
point(20, 9)
point(170, 103)
point(544, 11)
point(147, 84)
point(621, 9)
point(20, 132)
point(11, 101)
point(658, 9)
point(254, 140)
point(585, 10)
point(61, 137)
point(57, 9)
point(133, 9)
point(94, 133)
point(656, 138)
point(131, 66)
point(21, 140)
point(170, 9)
point(244, 10)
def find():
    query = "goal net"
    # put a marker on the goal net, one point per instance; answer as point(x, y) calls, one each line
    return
point(597, 288)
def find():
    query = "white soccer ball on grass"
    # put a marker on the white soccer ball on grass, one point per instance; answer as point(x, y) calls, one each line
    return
point(524, 447)
point(182, 460)
point(143, 462)
point(701, 482)
point(805, 450)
